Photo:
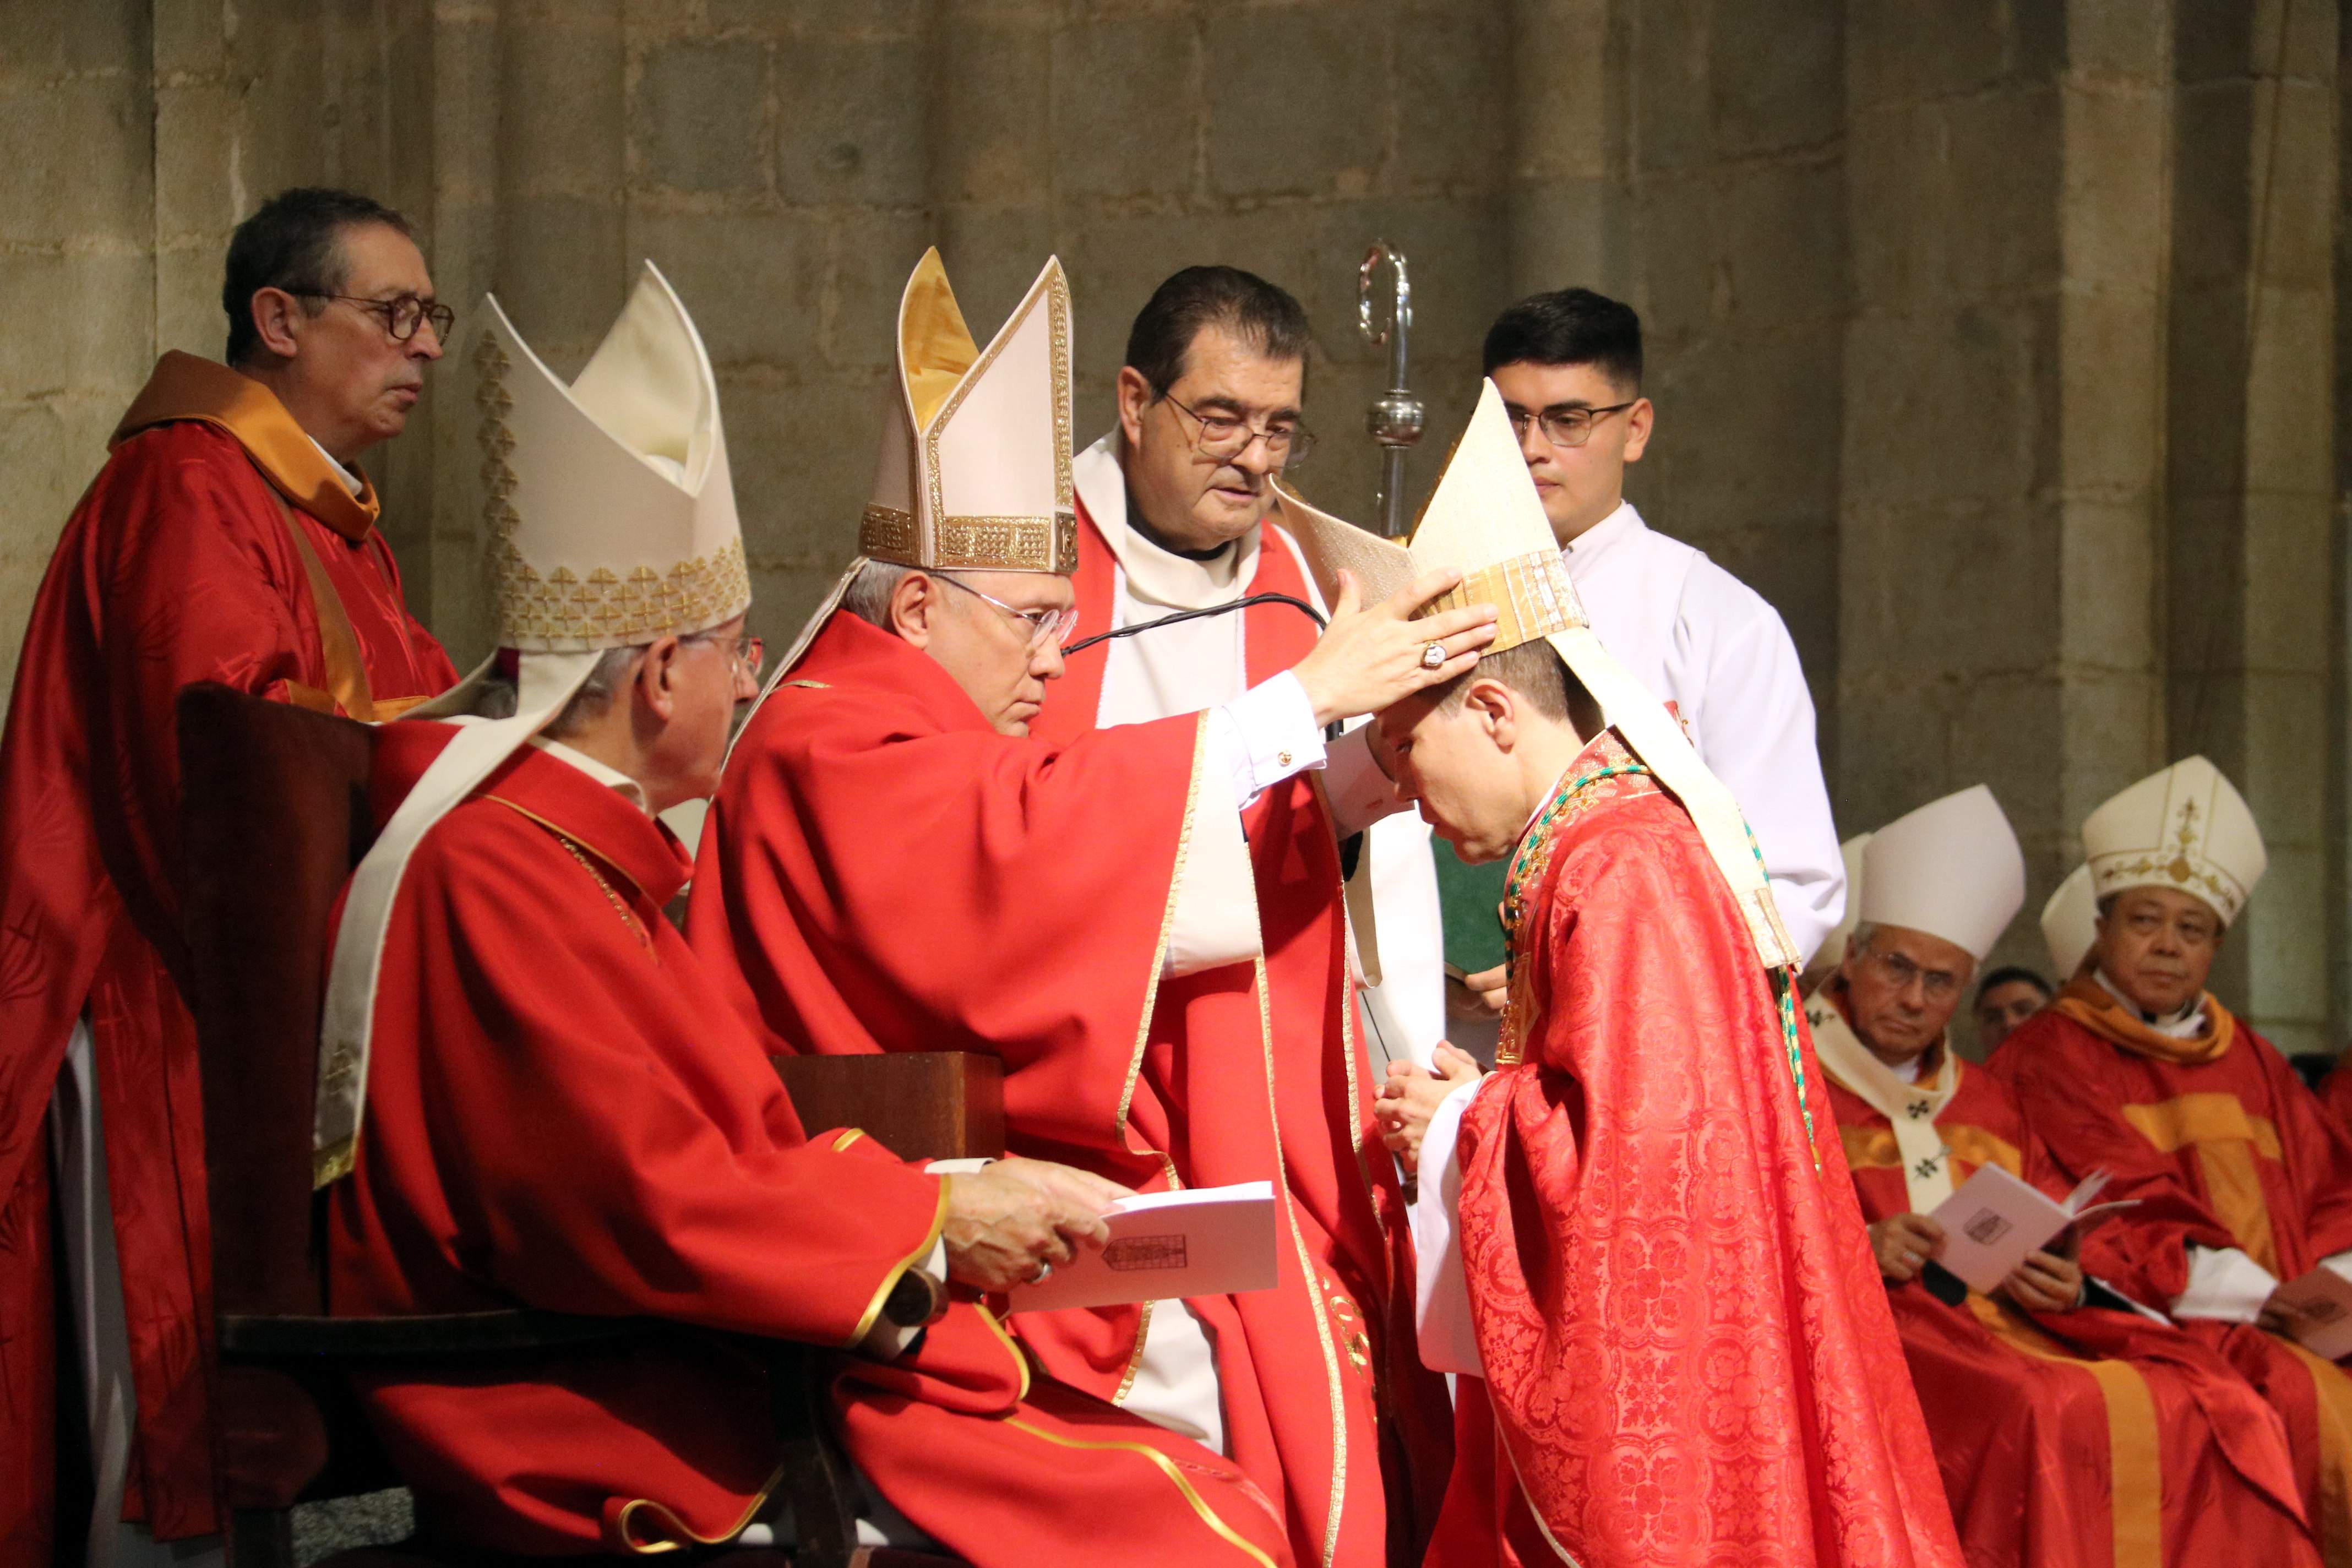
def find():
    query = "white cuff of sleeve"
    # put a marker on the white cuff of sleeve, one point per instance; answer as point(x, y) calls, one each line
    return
point(887, 1341)
point(2338, 1264)
point(1360, 794)
point(1265, 736)
point(1441, 1291)
point(2224, 1284)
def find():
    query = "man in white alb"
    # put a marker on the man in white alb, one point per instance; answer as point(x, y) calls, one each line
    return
point(1569, 365)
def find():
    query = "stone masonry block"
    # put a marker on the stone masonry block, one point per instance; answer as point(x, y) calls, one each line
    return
point(2107, 566)
point(1929, 49)
point(2111, 197)
point(1561, 90)
point(755, 281)
point(2000, 182)
point(1454, 122)
point(2289, 424)
point(699, 116)
point(1784, 245)
point(872, 252)
point(2110, 378)
point(1897, 247)
point(560, 108)
point(188, 313)
point(1122, 95)
point(2284, 775)
point(996, 143)
point(1777, 74)
point(2287, 592)
point(1568, 231)
point(2113, 39)
point(1674, 123)
point(79, 165)
point(196, 133)
point(2004, 733)
point(1685, 275)
point(852, 121)
point(77, 323)
point(992, 256)
point(1277, 124)
point(2212, 148)
point(47, 39)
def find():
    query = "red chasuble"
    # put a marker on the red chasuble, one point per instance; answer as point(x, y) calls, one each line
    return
point(2335, 1092)
point(883, 872)
point(191, 558)
point(1687, 1352)
point(561, 1114)
point(2089, 1437)
point(2224, 1147)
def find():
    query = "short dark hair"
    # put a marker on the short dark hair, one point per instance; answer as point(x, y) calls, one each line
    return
point(1568, 326)
point(2010, 973)
point(1260, 314)
point(1536, 671)
point(293, 242)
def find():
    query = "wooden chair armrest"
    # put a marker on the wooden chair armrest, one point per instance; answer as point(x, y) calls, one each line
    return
point(920, 1105)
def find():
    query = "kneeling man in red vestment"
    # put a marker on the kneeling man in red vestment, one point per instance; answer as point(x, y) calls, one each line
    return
point(1637, 1235)
point(2071, 1428)
point(531, 1095)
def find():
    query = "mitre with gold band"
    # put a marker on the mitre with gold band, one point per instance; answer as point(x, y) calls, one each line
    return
point(2186, 828)
point(974, 472)
point(611, 522)
point(1485, 520)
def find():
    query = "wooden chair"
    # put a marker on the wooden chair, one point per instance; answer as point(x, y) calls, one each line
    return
point(274, 816)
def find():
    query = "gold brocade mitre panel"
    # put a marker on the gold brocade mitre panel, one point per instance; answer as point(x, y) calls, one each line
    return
point(608, 505)
point(2187, 828)
point(975, 462)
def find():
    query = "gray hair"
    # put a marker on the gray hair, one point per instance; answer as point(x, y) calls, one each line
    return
point(868, 594)
point(594, 699)
point(1863, 933)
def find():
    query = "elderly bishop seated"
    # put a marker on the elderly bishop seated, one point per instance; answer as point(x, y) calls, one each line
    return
point(2071, 1429)
point(2244, 1181)
point(560, 1114)
point(896, 863)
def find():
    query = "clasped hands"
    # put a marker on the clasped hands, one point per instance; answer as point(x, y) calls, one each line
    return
point(1412, 1096)
point(2044, 1282)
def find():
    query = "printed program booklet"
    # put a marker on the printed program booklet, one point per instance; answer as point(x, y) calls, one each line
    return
point(1994, 1220)
point(1194, 1241)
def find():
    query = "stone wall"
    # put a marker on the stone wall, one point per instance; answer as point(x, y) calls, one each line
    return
point(1993, 339)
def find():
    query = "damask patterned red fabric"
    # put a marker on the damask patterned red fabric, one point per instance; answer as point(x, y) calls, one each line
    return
point(1688, 1354)
point(178, 566)
point(2162, 1455)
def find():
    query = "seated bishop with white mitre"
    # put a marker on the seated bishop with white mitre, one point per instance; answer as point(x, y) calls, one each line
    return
point(2069, 1427)
point(560, 1114)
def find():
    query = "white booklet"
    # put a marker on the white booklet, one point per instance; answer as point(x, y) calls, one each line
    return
point(1994, 1220)
point(1194, 1241)
point(2318, 1308)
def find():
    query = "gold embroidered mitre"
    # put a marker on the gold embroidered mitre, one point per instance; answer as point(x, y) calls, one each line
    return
point(2186, 828)
point(1485, 520)
point(975, 465)
point(611, 511)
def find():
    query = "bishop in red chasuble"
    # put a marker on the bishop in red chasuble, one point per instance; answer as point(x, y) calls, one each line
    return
point(219, 543)
point(2244, 1181)
point(896, 861)
point(2070, 1429)
point(1637, 1235)
point(533, 1094)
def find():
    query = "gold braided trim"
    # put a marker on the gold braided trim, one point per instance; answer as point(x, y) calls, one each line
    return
point(682, 1534)
point(1047, 543)
point(1167, 1467)
point(890, 1280)
point(1533, 592)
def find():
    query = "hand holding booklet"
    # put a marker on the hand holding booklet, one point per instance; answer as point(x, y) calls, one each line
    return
point(2317, 1310)
point(1995, 1219)
point(1194, 1241)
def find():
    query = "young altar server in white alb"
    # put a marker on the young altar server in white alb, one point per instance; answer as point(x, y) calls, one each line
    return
point(1569, 365)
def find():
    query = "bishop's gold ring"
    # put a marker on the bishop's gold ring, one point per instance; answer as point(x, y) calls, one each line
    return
point(1432, 655)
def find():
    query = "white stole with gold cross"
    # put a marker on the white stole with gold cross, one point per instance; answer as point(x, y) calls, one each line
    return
point(1910, 1108)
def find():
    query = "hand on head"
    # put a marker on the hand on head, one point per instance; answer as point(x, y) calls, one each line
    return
point(1410, 1098)
point(1006, 1222)
point(1372, 657)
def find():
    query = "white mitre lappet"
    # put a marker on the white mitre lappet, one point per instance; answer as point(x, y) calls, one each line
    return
point(974, 472)
point(1485, 520)
point(2070, 923)
point(2186, 828)
point(612, 523)
point(1951, 870)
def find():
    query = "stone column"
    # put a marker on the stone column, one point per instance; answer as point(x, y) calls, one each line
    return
point(2252, 474)
point(2003, 415)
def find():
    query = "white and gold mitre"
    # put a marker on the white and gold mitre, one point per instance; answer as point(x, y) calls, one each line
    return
point(2070, 923)
point(1952, 869)
point(2186, 828)
point(975, 465)
point(611, 511)
point(1485, 520)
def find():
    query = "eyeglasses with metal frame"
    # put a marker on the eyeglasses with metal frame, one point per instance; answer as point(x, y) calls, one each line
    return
point(1049, 626)
point(1224, 436)
point(1564, 425)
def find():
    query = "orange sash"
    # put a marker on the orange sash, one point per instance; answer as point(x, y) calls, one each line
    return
point(2091, 1004)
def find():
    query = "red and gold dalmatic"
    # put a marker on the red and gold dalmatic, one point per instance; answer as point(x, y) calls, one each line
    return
point(2093, 1437)
point(562, 1113)
point(1688, 1353)
point(2224, 1147)
point(218, 544)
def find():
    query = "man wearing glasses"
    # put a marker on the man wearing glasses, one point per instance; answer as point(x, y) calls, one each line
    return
point(1569, 365)
point(229, 537)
